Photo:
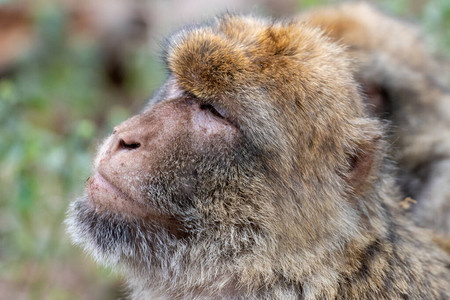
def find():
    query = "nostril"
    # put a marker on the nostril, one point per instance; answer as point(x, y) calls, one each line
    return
point(129, 145)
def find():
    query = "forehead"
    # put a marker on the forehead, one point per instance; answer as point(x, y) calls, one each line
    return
point(236, 54)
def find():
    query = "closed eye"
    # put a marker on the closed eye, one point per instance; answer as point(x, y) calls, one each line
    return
point(212, 110)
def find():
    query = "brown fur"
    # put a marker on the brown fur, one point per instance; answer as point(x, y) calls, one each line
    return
point(400, 78)
point(271, 181)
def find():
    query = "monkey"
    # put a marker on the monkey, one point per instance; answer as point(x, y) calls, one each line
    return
point(254, 173)
point(401, 81)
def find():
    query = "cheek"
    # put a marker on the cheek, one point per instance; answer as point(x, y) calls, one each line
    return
point(208, 129)
point(204, 123)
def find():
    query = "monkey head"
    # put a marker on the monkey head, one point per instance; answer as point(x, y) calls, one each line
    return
point(253, 156)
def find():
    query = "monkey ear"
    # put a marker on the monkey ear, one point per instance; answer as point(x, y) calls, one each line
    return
point(376, 98)
point(361, 163)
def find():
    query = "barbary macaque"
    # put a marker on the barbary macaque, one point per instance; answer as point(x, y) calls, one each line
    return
point(255, 173)
point(402, 84)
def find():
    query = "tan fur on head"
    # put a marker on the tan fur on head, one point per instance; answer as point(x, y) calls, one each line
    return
point(237, 52)
point(247, 57)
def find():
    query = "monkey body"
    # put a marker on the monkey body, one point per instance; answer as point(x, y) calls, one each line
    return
point(254, 173)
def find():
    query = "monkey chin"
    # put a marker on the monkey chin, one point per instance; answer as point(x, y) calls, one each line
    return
point(115, 229)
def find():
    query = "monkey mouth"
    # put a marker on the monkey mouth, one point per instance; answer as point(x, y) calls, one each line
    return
point(105, 196)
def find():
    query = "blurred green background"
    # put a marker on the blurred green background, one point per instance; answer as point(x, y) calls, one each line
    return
point(69, 72)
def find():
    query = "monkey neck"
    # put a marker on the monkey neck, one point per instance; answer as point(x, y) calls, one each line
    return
point(267, 270)
point(293, 257)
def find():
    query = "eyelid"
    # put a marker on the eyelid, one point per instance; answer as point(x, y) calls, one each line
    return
point(223, 113)
point(215, 109)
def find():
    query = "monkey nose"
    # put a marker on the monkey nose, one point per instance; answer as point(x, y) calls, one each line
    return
point(127, 136)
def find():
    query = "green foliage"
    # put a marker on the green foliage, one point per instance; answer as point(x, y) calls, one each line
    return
point(436, 19)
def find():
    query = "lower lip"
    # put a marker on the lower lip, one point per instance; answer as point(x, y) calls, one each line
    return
point(99, 181)
point(108, 198)
point(103, 194)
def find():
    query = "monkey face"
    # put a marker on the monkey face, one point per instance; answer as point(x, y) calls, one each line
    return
point(164, 177)
point(170, 142)
point(244, 147)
